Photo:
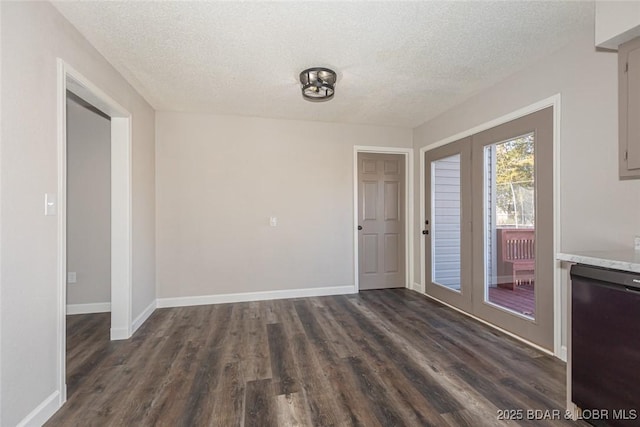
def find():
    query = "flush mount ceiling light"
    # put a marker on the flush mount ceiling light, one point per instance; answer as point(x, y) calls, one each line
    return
point(318, 84)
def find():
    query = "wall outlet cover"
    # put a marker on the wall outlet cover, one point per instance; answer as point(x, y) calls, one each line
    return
point(636, 243)
point(71, 277)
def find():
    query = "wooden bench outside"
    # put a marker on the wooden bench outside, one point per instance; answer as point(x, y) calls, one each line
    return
point(516, 257)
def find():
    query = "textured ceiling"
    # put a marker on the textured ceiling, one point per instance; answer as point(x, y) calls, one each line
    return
point(398, 63)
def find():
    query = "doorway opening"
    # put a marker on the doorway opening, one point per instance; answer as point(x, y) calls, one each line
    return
point(117, 209)
point(88, 236)
point(383, 210)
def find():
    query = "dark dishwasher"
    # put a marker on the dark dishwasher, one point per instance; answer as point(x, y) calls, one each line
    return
point(605, 345)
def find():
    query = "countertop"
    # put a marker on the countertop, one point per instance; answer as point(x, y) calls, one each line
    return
point(627, 260)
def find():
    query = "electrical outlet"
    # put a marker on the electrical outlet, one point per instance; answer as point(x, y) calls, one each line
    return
point(636, 243)
point(71, 277)
point(273, 221)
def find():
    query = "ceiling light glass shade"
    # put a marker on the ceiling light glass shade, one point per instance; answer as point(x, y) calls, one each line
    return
point(318, 84)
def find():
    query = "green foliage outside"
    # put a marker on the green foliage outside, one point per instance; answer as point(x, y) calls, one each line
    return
point(515, 182)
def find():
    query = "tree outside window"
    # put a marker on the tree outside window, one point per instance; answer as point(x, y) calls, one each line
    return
point(515, 198)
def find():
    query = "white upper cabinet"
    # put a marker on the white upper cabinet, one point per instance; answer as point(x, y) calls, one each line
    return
point(629, 108)
point(617, 22)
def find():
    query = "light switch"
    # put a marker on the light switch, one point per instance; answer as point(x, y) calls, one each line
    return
point(71, 277)
point(50, 204)
point(273, 221)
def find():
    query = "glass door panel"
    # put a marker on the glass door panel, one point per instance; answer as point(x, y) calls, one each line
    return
point(447, 223)
point(446, 215)
point(509, 224)
point(513, 253)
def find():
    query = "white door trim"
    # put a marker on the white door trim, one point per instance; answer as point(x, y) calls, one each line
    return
point(121, 237)
point(554, 101)
point(408, 228)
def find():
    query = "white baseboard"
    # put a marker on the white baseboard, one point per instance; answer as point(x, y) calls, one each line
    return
point(142, 317)
point(120, 334)
point(43, 411)
point(254, 296)
point(417, 287)
point(97, 307)
point(563, 353)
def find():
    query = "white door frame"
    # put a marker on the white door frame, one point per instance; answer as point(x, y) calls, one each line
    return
point(408, 200)
point(121, 237)
point(559, 350)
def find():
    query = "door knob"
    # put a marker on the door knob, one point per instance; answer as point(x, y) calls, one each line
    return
point(359, 227)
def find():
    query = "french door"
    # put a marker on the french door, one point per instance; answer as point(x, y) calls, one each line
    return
point(447, 225)
point(489, 225)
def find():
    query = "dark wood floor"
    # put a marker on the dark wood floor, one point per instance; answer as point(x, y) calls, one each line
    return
point(387, 358)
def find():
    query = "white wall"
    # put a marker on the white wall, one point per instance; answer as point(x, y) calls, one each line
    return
point(220, 178)
point(88, 205)
point(616, 22)
point(33, 35)
point(1, 281)
point(598, 211)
